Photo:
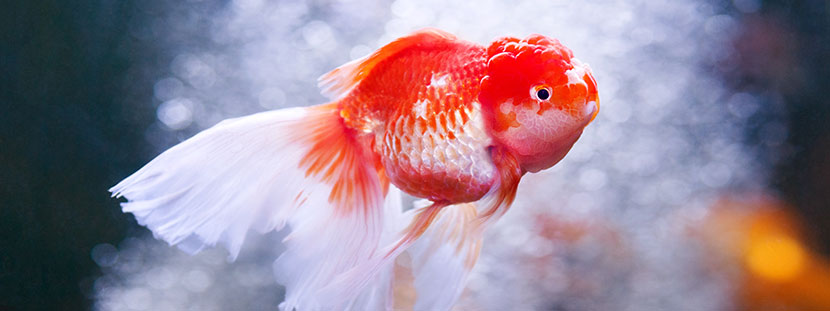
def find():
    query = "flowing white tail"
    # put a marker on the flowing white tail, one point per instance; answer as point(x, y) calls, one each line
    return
point(301, 167)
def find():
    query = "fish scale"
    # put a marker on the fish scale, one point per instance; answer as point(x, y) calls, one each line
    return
point(434, 166)
point(430, 129)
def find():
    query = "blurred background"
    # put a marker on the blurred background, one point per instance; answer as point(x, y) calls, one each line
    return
point(704, 184)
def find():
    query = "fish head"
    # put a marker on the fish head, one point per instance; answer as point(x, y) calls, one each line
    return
point(536, 99)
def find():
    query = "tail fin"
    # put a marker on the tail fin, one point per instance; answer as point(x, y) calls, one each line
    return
point(301, 167)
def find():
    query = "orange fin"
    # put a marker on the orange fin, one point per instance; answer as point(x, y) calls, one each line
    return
point(338, 82)
point(453, 229)
point(501, 196)
point(339, 157)
point(420, 222)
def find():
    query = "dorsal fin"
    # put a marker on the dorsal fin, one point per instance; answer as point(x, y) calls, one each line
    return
point(338, 82)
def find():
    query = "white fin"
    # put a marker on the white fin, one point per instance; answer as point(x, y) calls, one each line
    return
point(378, 294)
point(295, 166)
point(292, 265)
point(212, 187)
point(443, 256)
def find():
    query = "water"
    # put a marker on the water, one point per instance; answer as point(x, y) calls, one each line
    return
point(603, 230)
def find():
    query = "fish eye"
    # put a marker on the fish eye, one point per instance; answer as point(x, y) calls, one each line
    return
point(542, 92)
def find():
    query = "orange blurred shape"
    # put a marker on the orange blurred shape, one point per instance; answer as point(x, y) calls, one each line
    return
point(775, 258)
point(762, 240)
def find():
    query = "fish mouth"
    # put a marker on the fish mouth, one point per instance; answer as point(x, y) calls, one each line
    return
point(591, 110)
point(593, 94)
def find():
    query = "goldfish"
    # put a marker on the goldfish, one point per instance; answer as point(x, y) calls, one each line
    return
point(449, 121)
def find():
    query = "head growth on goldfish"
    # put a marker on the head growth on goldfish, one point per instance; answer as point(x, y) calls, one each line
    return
point(536, 98)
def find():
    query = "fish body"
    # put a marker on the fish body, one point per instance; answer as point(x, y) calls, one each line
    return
point(450, 121)
point(421, 105)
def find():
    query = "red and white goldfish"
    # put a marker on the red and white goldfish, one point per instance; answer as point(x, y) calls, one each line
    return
point(440, 118)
